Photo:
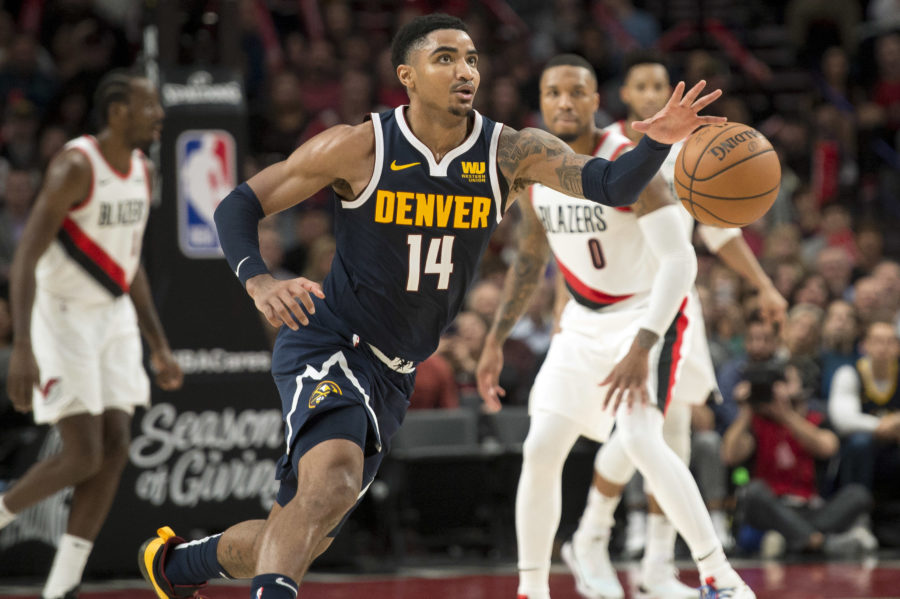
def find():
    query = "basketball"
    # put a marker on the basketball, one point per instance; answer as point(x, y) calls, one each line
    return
point(727, 175)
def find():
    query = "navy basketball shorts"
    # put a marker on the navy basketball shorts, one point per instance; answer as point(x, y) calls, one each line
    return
point(333, 387)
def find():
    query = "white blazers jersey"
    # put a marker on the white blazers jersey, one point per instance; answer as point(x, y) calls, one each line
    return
point(600, 250)
point(97, 252)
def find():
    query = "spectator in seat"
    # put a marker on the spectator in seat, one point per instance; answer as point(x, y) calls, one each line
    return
point(864, 407)
point(840, 333)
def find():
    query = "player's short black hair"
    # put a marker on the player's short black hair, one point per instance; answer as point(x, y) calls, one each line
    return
point(114, 87)
point(571, 60)
point(642, 56)
point(415, 31)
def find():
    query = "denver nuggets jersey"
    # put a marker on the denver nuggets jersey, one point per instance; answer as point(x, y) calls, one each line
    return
point(97, 251)
point(600, 251)
point(408, 246)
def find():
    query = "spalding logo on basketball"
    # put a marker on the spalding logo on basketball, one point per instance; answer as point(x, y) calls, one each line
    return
point(727, 175)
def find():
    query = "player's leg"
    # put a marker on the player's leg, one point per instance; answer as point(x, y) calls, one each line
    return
point(179, 569)
point(91, 501)
point(658, 574)
point(330, 477)
point(588, 553)
point(539, 498)
point(80, 458)
point(640, 427)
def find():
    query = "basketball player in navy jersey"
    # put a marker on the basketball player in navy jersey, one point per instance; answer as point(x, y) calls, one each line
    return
point(419, 190)
point(79, 297)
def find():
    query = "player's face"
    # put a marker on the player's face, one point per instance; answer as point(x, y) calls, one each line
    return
point(444, 73)
point(569, 100)
point(145, 114)
point(646, 89)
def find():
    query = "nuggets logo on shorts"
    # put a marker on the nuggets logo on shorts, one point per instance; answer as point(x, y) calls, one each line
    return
point(323, 390)
point(207, 167)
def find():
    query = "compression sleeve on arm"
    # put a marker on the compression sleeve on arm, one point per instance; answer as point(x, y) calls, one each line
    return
point(664, 233)
point(237, 221)
point(715, 238)
point(619, 183)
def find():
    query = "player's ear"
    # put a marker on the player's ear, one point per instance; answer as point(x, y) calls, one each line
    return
point(117, 111)
point(596, 104)
point(623, 94)
point(405, 74)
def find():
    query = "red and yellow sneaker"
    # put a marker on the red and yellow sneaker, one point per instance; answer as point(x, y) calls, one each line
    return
point(152, 560)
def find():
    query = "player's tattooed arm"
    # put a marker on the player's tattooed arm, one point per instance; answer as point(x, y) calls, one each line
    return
point(524, 274)
point(521, 280)
point(534, 156)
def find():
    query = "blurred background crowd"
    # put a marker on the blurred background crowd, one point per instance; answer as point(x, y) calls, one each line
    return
point(820, 79)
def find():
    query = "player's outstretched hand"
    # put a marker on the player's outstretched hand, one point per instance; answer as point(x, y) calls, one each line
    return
point(487, 373)
point(279, 301)
point(628, 379)
point(679, 117)
point(24, 376)
point(168, 373)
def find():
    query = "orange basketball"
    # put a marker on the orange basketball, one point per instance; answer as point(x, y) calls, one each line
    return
point(727, 175)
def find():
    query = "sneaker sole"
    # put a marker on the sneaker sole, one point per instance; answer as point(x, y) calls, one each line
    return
point(145, 564)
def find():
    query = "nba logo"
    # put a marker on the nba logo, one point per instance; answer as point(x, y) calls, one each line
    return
point(207, 167)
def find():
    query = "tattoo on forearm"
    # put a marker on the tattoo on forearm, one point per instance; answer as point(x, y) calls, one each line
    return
point(524, 277)
point(516, 146)
point(569, 173)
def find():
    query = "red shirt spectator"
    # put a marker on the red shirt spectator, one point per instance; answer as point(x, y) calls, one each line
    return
point(435, 385)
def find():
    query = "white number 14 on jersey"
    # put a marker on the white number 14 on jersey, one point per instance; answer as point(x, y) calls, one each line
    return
point(441, 246)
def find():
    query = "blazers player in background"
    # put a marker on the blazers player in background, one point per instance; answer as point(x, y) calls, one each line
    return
point(644, 90)
point(80, 301)
point(419, 191)
point(628, 270)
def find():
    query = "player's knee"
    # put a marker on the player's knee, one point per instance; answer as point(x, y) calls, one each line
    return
point(331, 487)
point(115, 450)
point(83, 461)
point(538, 451)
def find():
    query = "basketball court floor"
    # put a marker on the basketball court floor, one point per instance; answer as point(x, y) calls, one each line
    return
point(833, 580)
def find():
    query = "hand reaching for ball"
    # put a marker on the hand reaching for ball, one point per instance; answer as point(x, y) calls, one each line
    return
point(679, 117)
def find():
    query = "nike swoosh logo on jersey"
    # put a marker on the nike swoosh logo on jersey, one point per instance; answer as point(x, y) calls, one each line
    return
point(400, 167)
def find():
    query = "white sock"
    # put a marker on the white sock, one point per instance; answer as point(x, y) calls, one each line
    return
point(598, 515)
point(660, 549)
point(68, 566)
point(6, 516)
point(539, 499)
point(715, 565)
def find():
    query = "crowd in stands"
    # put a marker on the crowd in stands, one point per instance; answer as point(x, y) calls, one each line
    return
point(820, 79)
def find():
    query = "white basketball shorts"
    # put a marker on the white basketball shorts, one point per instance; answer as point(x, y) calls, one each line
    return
point(89, 355)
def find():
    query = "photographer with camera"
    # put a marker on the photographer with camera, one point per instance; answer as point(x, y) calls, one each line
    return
point(783, 438)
